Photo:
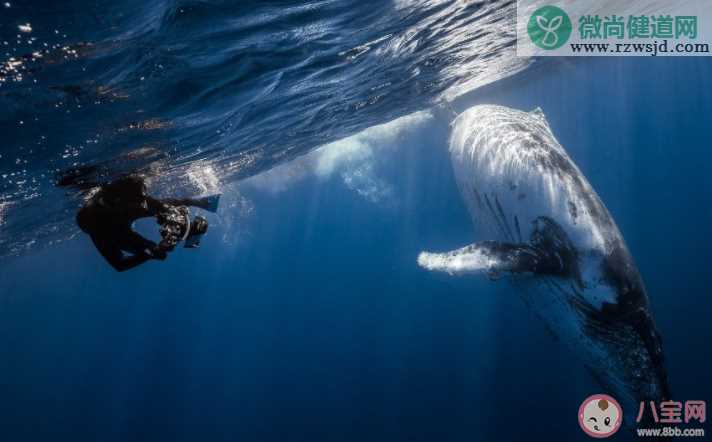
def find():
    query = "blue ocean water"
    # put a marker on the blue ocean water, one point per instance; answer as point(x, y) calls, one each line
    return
point(304, 315)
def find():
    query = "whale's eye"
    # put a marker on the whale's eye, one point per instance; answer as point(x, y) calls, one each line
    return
point(607, 421)
point(593, 419)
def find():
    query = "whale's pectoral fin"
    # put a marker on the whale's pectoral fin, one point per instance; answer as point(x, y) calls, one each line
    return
point(492, 258)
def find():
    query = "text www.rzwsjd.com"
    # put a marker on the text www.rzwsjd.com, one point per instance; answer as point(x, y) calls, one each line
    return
point(653, 48)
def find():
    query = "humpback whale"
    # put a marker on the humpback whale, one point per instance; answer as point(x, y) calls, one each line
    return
point(549, 233)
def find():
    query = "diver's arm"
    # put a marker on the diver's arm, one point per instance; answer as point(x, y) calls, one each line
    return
point(115, 257)
point(118, 208)
point(156, 206)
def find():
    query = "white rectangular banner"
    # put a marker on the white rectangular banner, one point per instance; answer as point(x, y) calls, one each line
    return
point(614, 28)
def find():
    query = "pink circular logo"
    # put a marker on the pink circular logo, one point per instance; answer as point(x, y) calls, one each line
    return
point(600, 416)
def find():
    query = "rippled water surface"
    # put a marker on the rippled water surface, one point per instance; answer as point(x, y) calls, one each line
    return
point(196, 92)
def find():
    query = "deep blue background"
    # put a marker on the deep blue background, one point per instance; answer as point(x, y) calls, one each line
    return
point(318, 324)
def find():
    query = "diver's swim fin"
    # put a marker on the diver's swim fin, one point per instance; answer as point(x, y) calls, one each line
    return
point(211, 203)
point(492, 258)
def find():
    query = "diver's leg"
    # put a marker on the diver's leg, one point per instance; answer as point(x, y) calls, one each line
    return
point(209, 203)
point(193, 202)
point(156, 206)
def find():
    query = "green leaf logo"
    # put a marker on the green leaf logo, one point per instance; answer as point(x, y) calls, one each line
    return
point(549, 27)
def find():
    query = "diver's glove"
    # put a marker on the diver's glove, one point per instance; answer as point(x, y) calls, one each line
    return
point(157, 252)
point(160, 254)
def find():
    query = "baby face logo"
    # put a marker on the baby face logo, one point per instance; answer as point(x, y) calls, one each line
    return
point(600, 416)
point(549, 27)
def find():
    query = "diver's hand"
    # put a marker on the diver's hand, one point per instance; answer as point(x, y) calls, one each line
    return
point(158, 253)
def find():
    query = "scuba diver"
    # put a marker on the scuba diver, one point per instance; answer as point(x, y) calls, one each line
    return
point(107, 217)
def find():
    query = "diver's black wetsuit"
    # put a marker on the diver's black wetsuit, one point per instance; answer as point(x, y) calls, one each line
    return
point(108, 216)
